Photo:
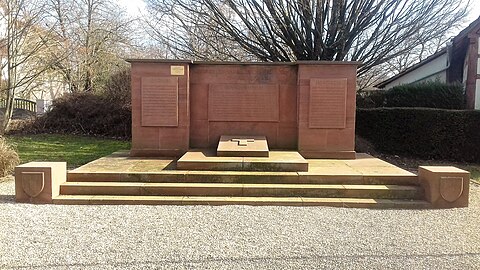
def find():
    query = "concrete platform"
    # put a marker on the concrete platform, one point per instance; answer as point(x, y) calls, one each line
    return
point(277, 161)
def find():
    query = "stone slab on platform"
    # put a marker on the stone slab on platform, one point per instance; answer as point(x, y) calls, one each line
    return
point(242, 146)
point(206, 159)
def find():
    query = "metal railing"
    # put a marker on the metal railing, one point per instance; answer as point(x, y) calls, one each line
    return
point(21, 103)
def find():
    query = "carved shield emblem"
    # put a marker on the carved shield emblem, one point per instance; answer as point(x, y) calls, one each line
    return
point(451, 188)
point(33, 183)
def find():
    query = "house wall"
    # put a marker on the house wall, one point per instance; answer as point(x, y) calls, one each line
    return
point(477, 91)
point(433, 70)
point(477, 95)
point(472, 87)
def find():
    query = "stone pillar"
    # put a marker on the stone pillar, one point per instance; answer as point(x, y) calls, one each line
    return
point(445, 186)
point(39, 182)
point(160, 107)
point(326, 109)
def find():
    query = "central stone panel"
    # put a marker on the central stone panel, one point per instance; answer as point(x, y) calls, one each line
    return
point(242, 146)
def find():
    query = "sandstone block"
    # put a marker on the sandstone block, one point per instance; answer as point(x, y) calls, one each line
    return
point(39, 182)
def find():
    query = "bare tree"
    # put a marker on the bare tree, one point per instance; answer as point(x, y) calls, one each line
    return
point(371, 31)
point(181, 34)
point(94, 35)
point(24, 41)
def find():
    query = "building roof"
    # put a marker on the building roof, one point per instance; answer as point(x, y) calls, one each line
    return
point(457, 39)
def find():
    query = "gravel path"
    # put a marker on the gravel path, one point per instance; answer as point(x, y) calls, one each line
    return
point(235, 237)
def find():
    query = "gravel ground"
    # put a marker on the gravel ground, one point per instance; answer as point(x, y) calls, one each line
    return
point(235, 237)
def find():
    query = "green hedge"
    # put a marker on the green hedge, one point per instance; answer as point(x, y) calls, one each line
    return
point(422, 132)
point(431, 94)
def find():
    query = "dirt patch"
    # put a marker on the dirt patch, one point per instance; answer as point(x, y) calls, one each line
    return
point(409, 163)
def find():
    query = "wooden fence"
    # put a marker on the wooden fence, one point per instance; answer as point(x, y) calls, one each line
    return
point(21, 103)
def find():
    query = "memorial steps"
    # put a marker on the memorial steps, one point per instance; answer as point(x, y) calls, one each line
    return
point(364, 182)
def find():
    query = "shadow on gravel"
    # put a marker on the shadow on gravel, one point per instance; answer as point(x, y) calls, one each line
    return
point(7, 199)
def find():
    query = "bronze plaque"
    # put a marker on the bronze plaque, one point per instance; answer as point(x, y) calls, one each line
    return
point(160, 101)
point(243, 102)
point(177, 70)
point(328, 99)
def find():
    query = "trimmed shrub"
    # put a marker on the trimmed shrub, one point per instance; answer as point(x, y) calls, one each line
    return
point(8, 158)
point(372, 99)
point(430, 94)
point(422, 132)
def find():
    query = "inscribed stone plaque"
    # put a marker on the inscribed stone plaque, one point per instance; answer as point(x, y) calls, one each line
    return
point(160, 101)
point(243, 102)
point(328, 99)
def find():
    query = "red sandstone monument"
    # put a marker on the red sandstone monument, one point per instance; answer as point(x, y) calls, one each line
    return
point(243, 133)
point(306, 106)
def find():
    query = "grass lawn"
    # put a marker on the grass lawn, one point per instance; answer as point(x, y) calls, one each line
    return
point(75, 150)
point(78, 150)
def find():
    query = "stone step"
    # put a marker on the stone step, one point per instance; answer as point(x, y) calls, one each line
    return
point(238, 190)
point(242, 177)
point(259, 201)
point(277, 161)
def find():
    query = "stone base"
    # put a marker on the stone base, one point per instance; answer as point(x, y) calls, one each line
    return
point(206, 159)
point(363, 182)
point(156, 152)
point(332, 155)
point(445, 186)
point(39, 182)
